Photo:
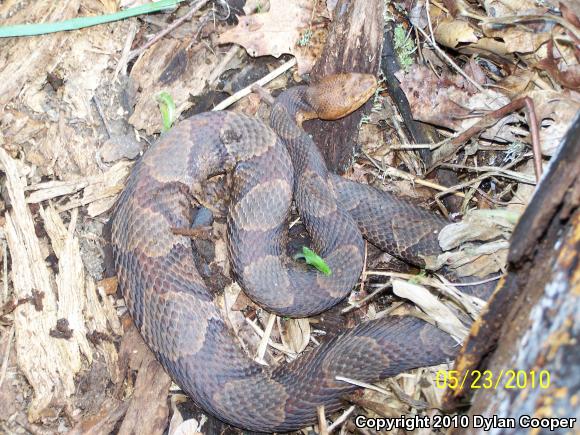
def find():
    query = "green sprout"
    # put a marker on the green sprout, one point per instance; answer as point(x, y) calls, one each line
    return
point(313, 259)
point(167, 109)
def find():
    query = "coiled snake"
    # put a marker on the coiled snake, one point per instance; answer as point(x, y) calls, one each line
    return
point(175, 312)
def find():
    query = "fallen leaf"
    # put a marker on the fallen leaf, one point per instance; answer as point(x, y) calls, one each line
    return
point(555, 112)
point(516, 83)
point(502, 8)
point(567, 76)
point(479, 225)
point(284, 29)
point(519, 40)
point(450, 32)
point(430, 304)
point(296, 334)
point(446, 101)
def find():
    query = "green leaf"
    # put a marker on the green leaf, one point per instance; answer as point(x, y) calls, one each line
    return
point(313, 259)
point(81, 22)
point(167, 109)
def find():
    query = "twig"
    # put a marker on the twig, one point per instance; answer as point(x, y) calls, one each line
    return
point(275, 345)
point(513, 19)
point(492, 117)
point(102, 115)
point(522, 178)
point(362, 280)
point(196, 6)
point(248, 89)
point(390, 274)
point(420, 146)
point(322, 425)
point(5, 270)
point(367, 298)
point(264, 342)
point(394, 172)
point(234, 50)
point(362, 384)
point(340, 420)
point(467, 284)
point(124, 59)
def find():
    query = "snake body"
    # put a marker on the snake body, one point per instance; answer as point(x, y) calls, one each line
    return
point(175, 312)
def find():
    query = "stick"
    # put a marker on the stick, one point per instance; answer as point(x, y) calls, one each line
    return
point(194, 8)
point(248, 89)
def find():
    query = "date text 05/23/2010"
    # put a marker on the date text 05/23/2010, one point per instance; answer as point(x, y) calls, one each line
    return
point(410, 423)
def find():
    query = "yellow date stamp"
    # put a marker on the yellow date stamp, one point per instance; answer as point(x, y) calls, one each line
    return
point(489, 380)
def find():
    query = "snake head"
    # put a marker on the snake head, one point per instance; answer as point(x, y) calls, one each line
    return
point(337, 95)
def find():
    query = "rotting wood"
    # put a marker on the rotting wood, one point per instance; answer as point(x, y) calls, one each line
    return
point(48, 363)
point(148, 409)
point(353, 45)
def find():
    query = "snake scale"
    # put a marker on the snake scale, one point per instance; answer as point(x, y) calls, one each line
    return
point(176, 313)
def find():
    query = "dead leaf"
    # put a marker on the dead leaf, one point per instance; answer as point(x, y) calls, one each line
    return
point(502, 8)
point(285, 28)
point(430, 304)
point(519, 40)
point(555, 112)
point(516, 83)
point(476, 260)
point(189, 427)
point(450, 32)
point(296, 334)
point(567, 76)
point(446, 101)
point(477, 225)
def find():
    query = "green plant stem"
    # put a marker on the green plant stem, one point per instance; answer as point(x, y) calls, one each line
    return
point(81, 22)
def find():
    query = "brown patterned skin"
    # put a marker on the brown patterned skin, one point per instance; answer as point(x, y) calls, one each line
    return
point(175, 312)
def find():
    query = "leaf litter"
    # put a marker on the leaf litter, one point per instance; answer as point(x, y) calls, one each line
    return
point(66, 95)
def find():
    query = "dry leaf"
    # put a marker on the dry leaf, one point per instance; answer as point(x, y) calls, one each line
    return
point(446, 101)
point(451, 33)
point(476, 260)
point(568, 76)
point(502, 8)
point(430, 304)
point(477, 225)
point(555, 112)
point(280, 30)
point(190, 427)
point(516, 83)
point(296, 334)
